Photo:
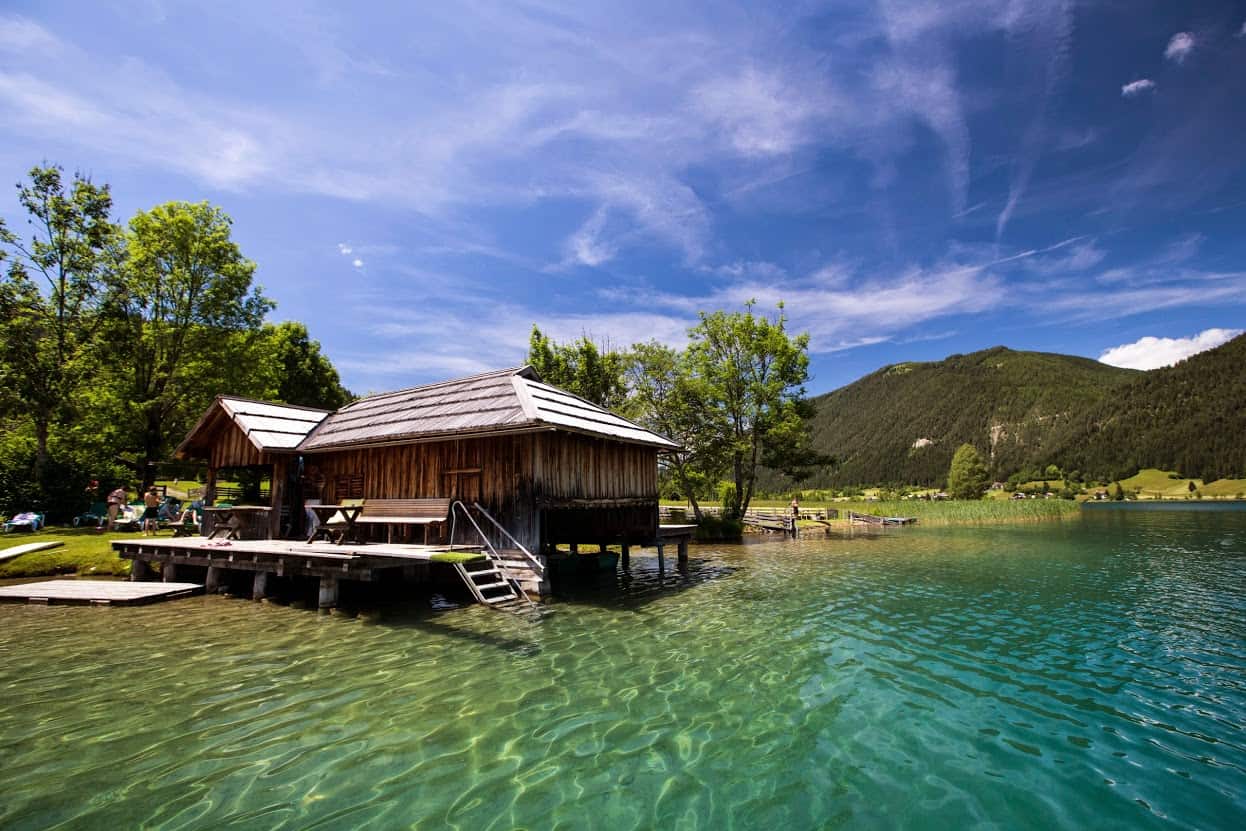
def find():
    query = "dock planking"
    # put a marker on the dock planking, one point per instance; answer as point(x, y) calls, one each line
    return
point(96, 592)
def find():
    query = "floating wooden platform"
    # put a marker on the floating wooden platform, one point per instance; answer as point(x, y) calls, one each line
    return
point(28, 548)
point(96, 592)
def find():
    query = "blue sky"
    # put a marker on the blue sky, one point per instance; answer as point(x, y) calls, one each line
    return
point(421, 183)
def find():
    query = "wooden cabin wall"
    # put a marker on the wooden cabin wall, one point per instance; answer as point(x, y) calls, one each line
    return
point(231, 448)
point(519, 479)
point(593, 490)
point(497, 471)
point(571, 466)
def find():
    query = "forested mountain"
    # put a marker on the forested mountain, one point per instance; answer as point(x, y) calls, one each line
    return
point(901, 424)
point(1190, 418)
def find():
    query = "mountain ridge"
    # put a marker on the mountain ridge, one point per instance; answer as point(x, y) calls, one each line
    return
point(1021, 409)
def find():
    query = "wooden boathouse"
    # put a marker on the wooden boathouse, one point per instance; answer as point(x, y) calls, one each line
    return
point(545, 467)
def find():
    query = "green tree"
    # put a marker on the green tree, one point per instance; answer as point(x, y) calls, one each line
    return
point(967, 477)
point(302, 375)
point(51, 295)
point(751, 373)
point(668, 399)
point(581, 367)
point(185, 323)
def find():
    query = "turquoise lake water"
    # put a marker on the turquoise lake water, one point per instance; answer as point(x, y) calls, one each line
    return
point(1079, 674)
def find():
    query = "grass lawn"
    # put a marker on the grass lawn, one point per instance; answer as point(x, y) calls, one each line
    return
point(1152, 483)
point(84, 552)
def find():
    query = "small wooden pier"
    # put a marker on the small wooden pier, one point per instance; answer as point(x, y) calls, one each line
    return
point(96, 592)
point(880, 521)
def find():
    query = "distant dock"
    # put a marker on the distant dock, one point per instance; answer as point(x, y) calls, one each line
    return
point(96, 592)
point(871, 519)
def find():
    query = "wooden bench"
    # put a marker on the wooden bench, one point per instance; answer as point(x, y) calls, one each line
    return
point(391, 512)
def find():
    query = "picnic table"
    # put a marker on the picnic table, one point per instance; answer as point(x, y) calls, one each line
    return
point(337, 532)
point(230, 520)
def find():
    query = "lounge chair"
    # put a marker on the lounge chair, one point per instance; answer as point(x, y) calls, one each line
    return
point(97, 515)
point(27, 521)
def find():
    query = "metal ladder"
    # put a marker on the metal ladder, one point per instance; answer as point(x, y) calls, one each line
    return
point(493, 585)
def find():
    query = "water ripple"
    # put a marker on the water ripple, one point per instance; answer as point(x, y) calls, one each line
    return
point(1088, 674)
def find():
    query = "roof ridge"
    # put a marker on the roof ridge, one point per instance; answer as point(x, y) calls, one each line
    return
point(514, 370)
point(227, 397)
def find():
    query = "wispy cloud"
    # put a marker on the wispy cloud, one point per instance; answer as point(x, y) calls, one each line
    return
point(22, 36)
point(1079, 257)
point(1179, 47)
point(1135, 88)
point(760, 113)
point(1153, 352)
point(586, 246)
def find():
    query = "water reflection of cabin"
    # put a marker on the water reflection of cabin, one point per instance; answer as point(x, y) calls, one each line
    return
point(552, 468)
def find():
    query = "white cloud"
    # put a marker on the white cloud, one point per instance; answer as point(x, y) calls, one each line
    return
point(586, 246)
point(344, 249)
point(1135, 88)
point(357, 263)
point(1152, 352)
point(1179, 46)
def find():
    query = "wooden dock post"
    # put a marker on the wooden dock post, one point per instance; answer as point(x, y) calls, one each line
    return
point(627, 557)
point(328, 592)
point(212, 584)
point(259, 586)
point(168, 573)
point(683, 552)
point(661, 559)
point(139, 571)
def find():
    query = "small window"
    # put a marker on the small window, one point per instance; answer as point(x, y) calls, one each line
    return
point(348, 486)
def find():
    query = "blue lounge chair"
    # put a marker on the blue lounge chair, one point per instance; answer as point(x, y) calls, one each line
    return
point(27, 521)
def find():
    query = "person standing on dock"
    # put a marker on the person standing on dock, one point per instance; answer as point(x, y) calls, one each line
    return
point(794, 510)
point(151, 512)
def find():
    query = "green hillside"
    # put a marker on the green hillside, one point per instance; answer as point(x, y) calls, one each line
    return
point(1190, 418)
point(901, 424)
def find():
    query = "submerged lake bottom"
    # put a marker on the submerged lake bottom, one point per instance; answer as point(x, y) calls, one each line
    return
point(1075, 674)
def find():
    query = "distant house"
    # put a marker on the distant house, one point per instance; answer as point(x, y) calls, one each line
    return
point(549, 466)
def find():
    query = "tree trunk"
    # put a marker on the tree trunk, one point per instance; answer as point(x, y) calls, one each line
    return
point(152, 435)
point(41, 446)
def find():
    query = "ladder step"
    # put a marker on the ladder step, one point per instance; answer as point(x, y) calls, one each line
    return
point(500, 599)
point(490, 573)
point(493, 585)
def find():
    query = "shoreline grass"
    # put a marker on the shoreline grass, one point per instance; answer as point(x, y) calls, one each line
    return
point(85, 552)
point(942, 513)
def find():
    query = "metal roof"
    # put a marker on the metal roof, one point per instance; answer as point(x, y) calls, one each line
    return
point(508, 400)
point(270, 427)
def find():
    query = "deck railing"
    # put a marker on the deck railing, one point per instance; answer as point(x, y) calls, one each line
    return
point(533, 563)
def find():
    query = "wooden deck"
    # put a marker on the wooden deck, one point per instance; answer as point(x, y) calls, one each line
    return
point(324, 560)
point(315, 559)
point(96, 592)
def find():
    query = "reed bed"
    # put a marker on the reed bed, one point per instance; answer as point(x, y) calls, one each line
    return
point(957, 512)
point(949, 512)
